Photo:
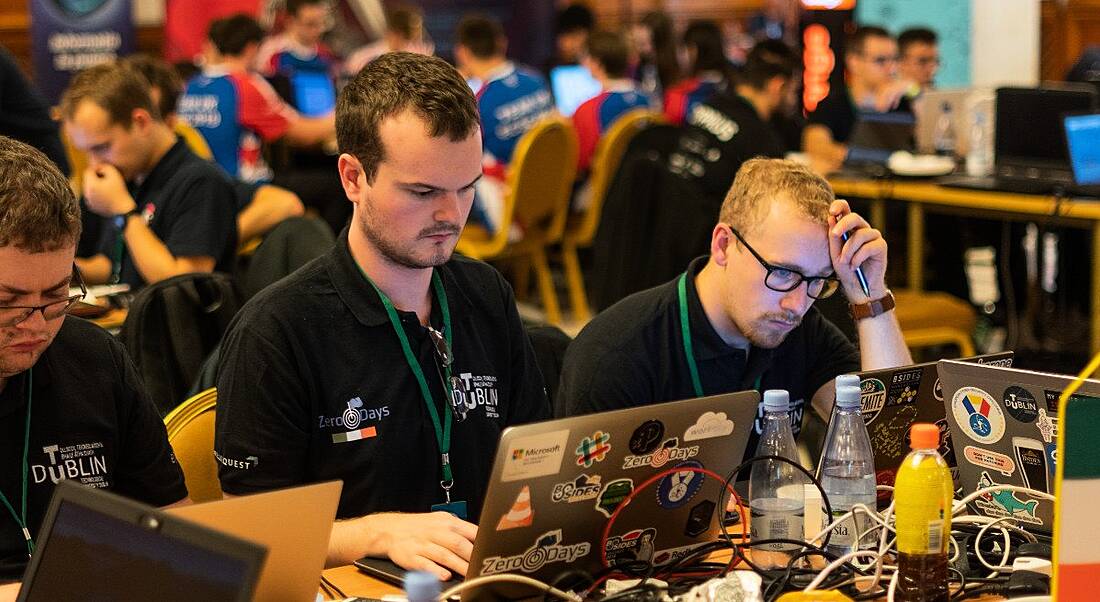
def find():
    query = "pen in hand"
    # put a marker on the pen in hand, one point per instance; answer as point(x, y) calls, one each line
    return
point(859, 272)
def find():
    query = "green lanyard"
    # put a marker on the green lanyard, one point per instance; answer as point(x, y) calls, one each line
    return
point(689, 348)
point(442, 431)
point(21, 517)
point(116, 258)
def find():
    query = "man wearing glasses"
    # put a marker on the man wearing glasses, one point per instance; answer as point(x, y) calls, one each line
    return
point(386, 363)
point(920, 57)
point(71, 404)
point(743, 318)
point(871, 61)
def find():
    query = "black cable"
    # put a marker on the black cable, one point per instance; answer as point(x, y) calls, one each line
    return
point(328, 582)
point(720, 509)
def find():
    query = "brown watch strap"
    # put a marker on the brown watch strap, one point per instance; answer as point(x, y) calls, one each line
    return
point(872, 308)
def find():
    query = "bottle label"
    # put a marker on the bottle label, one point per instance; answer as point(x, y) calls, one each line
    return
point(777, 524)
point(935, 536)
point(844, 533)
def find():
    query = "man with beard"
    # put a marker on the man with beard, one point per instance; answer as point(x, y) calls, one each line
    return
point(743, 318)
point(386, 363)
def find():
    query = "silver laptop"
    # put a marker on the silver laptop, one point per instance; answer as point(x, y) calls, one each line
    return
point(1004, 424)
point(555, 484)
point(96, 545)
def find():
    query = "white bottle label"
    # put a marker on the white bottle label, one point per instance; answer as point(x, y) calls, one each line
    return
point(776, 524)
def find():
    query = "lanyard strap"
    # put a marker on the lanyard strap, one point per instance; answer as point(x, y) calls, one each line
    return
point(689, 347)
point(442, 428)
point(116, 257)
point(21, 517)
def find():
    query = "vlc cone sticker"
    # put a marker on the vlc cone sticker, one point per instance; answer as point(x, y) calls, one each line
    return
point(521, 514)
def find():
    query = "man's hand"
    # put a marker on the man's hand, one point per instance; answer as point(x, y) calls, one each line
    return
point(865, 248)
point(105, 191)
point(438, 542)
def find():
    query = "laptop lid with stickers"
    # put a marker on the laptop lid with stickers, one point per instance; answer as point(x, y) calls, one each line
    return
point(555, 485)
point(893, 399)
point(1004, 422)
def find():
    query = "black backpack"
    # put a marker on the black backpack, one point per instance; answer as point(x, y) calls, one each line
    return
point(172, 326)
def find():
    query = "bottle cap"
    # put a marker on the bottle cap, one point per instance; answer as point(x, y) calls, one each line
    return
point(924, 436)
point(777, 400)
point(421, 585)
point(847, 380)
point(847, 397)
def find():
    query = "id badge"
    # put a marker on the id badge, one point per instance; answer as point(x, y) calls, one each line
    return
point(457, 508)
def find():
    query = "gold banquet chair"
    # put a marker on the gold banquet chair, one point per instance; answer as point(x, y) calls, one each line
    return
point(581, 228)
point(539, 186)
point(191, 433)
point(929, 319)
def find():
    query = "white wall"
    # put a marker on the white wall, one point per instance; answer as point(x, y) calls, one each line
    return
point(1004, 43)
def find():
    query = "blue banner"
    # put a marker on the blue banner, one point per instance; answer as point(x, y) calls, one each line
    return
point(71, 35)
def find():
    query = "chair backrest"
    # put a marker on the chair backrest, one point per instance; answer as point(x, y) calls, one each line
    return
point(541, 176)
point(605, 164)
point(172, 326)
point(293, 243)
point(194, 139)
point(191, 433)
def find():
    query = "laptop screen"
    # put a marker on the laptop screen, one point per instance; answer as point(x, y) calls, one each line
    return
point(314, 93)
point(572, 85)
point(103, 557)
point(1029, 124)
point(1083, 141)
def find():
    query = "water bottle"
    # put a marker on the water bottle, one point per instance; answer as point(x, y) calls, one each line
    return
point(847, 474)
point(421, 586)
point(979, 159)
point(922, 510)
point(944, 138)
point(777, 502)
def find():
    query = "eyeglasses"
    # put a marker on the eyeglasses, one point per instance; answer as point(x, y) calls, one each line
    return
point(446, 359)
point(785, 280)
point(883, 60)
point(13, 315)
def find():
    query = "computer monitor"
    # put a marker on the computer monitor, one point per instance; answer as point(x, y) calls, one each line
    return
point(1029, 127)
point(1083, 145)
point(572, 85)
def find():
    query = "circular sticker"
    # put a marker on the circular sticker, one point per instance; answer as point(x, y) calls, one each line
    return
point(678, 488)
point(979, 415)
point(1021, 405)
point(646, 437)
point(872, 397)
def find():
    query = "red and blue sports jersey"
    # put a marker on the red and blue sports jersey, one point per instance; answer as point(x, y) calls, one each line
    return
point(235, 112)
point(682, 98)
point(510, 102)
point(597, 114)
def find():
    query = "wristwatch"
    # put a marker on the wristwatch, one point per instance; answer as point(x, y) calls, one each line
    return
point(121, 219)
point(874, 308)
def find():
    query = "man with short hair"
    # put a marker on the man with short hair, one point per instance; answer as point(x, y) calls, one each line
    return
point(871, 59)
point(708, 73)
point(299, 48)
point(72, 406)
point(920, 57)
point(743, 318)
point(168, 211)
point(510, 99)
point(404, 31)
point(608, 61)
point(358, 365)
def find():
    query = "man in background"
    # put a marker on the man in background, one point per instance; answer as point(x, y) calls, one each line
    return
point(920, 57)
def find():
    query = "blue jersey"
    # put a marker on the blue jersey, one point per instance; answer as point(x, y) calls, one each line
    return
point(597, 114)
point(510, 102)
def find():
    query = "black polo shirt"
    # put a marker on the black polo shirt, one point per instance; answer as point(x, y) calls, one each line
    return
point(25, 113)
point(632, 354)
point(190, 204)
point(90, 422)
point(317, 347)
point(720, 135)
point(838, 112)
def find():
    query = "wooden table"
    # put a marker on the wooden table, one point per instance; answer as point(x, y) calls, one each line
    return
point(111, 320)
point(920, 195)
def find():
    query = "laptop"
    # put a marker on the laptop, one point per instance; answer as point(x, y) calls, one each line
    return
point(875, 136)
point(314, 93)
point(555, 484)
point(95, 545)
point(928, 108)
point(571, 86)
point(1029, 145)
point(893, 399)
point(1004, 422)
point(1083, 147)
point(293, 524)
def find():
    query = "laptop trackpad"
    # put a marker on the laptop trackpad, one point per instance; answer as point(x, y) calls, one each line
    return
point(388, 571)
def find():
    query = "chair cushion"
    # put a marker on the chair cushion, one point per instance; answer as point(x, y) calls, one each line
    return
point(933, 310)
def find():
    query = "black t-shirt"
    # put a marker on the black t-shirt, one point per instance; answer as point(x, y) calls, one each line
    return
point(838, 112)
point(720, 135)
point(25, 114)
point(190, 204)
point(317, 347)
point(632, 354)
point(90, 422)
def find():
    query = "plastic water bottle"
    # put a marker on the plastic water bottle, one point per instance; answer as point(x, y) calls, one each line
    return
point(922, 510)
point(848, 473)
point(421, 586)
point(777, 501)
point(944, 138)
point(979, 158)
